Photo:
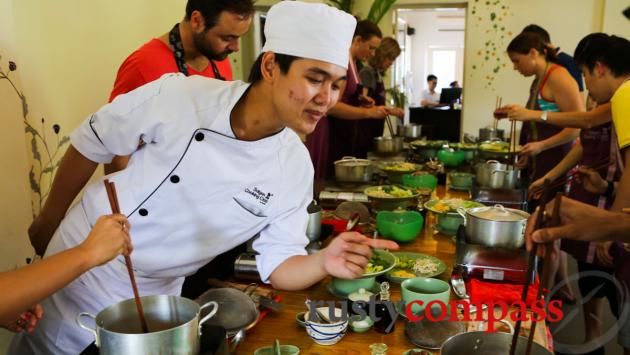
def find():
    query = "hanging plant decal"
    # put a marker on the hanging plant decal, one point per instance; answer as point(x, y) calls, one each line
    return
point(489, 60)
point(45, 154)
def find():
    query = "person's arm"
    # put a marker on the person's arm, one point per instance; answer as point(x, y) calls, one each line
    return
point(565, 136)
point(568, 162)
point(24, 287)
point(580, 221)
point(349, 112)
point(345, 257)
point(74, 172)
point(598, 116)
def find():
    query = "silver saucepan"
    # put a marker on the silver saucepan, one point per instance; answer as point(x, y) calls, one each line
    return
point(351, 169)
point(173, 322)
point(495, 226)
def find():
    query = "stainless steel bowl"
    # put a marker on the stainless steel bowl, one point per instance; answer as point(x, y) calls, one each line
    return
point(410, 131)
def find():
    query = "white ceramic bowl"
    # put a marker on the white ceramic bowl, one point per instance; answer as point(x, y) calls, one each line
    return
point(326, 334)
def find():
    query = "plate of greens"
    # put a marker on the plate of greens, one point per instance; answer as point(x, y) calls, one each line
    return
point(410, 265)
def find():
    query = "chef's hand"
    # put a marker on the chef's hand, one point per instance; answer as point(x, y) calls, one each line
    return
point(108, 239)
point(532, 149)
point(535, 188)
point(591, 180)
point(520, 113)
point(396, 111)
point(366, 101)
point(347, 254)
point(522, 162)
point(27, 320)
point(376, 112)
point(602, 251)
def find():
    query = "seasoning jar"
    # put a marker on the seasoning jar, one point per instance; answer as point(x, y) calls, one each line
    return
point(384, 323)
point(359, 300)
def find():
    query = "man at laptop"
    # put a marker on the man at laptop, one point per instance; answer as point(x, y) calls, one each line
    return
point(430, 98)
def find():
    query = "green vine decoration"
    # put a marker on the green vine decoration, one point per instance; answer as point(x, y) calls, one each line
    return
point(490, 60)
point(378, 9)
point(45, 154)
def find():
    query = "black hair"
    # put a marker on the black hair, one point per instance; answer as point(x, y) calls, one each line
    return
point(212, 9)
point(431, 77)
point(366, 29)
point(525, 41)
point(283, 60)
point(533, 28)
point(612, 51)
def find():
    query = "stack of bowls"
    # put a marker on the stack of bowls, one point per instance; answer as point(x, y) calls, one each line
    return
point(326, 333)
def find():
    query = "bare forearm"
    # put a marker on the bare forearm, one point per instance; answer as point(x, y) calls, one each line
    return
point(348, 112)
point(568, 162)
point(25, 287)
point(589, 119)
point(299, 272)
point(565, 136)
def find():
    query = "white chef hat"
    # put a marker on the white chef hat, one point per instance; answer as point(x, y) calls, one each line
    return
point(309, 30)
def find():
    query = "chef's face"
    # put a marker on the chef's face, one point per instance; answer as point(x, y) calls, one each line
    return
point(366, 49)
point(218, 42)
point(302, 96)
point(596, 83)
point(524, 63)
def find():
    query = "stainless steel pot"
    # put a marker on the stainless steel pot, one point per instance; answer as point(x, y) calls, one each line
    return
point(314, 226)
point(488, 134)
point(173, 323)
point(495, 175)
point(351, 169)
point(495, 226)
point(388, 145)
point(410, 131)
point(486, 343)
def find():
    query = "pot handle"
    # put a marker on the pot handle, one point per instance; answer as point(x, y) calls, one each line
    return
point(509, 325)
point(215, 308)
point(492, 162)
point(462, 212)
point(91, 330)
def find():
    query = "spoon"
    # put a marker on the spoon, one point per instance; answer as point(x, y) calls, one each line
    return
point(352, 221)
point(276, 347)
point(237, 339)
point(318, 313)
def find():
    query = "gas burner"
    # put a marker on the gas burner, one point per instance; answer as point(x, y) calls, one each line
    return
point(488, 263)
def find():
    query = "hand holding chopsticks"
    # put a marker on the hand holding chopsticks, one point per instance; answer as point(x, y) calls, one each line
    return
point(535, 190)
point(113, 202)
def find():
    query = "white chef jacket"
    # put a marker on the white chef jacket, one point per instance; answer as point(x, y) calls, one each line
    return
point(193, 191)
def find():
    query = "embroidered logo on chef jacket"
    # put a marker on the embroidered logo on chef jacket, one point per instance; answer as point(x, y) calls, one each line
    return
point(254, 200)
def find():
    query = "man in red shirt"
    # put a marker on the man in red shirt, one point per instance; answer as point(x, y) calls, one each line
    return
point(198, 45)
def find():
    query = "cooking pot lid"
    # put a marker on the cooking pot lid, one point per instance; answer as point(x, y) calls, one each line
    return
point(498, 213)
point(352, 161)
point(236, 309)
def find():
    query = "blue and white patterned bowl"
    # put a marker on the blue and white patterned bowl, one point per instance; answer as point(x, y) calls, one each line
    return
point(326, 334)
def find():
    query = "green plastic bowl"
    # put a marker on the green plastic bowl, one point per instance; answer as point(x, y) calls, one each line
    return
point(345, 287)
point(461, 180)
point(451, 158)
point(427, 181)
point(402, 226)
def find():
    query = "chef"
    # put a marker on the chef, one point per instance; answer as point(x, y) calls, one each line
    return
point(222, 162)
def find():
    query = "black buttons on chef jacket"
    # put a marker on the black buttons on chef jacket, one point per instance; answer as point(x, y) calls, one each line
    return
point(174, 179)
point(199, 137)
point(143, 212)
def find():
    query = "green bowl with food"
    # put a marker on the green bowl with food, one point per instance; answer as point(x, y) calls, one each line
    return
point(425, 180)
point(448, 219)
point(400, 226)
point(426, 150)
point(395, 170)
point(381, 262)
point(469, 149)
point(451, 157)
point(391, 197)
point(461, 180)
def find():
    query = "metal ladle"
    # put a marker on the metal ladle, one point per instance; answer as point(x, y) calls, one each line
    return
point(352, 221)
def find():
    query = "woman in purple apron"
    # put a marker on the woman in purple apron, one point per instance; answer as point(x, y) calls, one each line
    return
point(336, 135)
point(374, 87)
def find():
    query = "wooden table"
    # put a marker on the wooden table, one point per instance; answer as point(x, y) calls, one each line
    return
point(282, 325)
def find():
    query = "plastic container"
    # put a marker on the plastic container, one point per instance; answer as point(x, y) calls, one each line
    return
point(401, 226)
point(450, 157)
point(425, 180)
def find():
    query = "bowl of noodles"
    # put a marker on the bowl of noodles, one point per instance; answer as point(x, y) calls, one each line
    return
point(391, 197)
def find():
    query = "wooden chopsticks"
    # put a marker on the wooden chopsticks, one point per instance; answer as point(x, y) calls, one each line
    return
point(530, 265)
point(564, 180)
point(497, 105)
point(113, 202)
point(546, 269)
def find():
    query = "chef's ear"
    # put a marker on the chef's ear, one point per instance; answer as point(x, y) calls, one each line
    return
point(197, 22)
point(267, 65)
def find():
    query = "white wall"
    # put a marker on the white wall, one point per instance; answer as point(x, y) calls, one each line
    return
point(427, 24)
